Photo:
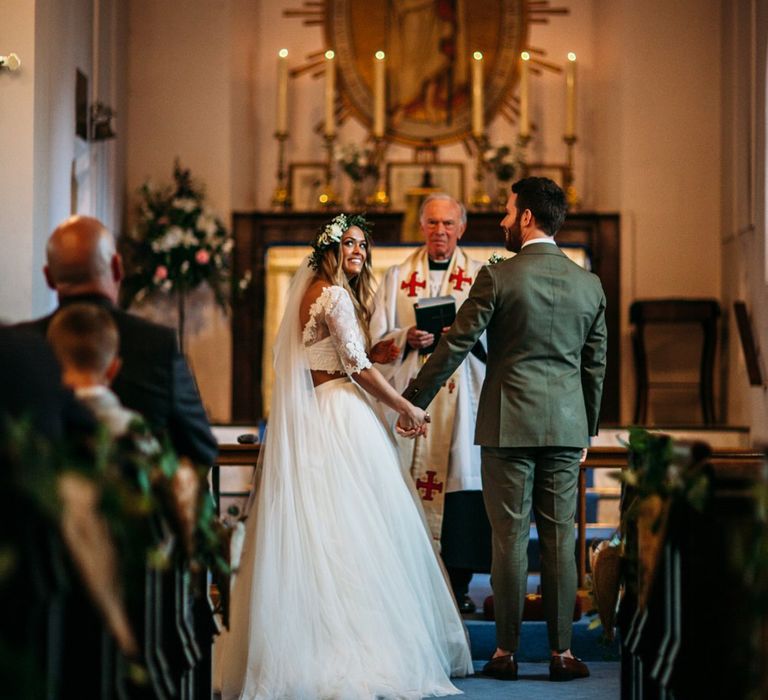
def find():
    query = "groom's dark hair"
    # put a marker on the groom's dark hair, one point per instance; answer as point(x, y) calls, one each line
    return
point(545, 200)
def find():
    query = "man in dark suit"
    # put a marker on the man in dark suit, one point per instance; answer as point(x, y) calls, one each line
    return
point(545, 322)
point(83, 266)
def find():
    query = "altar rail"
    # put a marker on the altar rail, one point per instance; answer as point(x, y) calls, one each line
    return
point(255, 231)
point(732, 464)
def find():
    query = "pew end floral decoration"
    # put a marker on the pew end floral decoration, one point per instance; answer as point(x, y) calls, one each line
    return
point(177, 244)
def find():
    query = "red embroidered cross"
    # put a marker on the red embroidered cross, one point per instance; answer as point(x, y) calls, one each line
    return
point(460, 279)
point(411, 284)
point(429, 486)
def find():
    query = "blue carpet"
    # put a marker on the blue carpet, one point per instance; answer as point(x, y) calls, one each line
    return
point(533, 684)
point(587, 644)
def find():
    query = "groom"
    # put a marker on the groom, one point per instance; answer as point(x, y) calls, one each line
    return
point(545, 322)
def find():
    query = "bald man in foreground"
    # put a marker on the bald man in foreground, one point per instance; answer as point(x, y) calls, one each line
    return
point(83, 266)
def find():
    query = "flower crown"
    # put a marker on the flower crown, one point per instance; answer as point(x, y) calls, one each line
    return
point(330, 235)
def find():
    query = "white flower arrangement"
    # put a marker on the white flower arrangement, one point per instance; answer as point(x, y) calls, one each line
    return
point(358, 163)
point(177, 244)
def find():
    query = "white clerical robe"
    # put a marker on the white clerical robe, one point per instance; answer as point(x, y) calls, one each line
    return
point(393, 315)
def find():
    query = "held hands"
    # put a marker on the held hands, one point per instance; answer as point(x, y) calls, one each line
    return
point(384, 352)
point(412, 421)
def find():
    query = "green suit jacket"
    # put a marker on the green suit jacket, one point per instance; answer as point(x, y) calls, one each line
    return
point(545, 322)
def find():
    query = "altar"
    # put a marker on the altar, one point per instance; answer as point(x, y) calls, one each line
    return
point(269, 246)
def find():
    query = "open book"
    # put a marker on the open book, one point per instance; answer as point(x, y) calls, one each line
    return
point(432, 315)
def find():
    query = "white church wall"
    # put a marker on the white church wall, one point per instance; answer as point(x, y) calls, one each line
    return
point(657, 161)
point(180, 76)
point(744, 263)
point(18, 264)
point(38, 142)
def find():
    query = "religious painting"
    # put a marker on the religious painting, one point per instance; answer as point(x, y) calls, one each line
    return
point(428, 45)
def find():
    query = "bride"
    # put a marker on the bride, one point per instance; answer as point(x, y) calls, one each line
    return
point(340, 594)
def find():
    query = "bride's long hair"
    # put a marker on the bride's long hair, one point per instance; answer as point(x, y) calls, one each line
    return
point(361, 287)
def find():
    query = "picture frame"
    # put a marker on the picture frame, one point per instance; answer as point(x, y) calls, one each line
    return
point(403, 177)
point(305, 182)
point(81, 105)
point(557, 172)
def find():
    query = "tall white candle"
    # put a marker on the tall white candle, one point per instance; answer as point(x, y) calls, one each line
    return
point(281, 123)
point(477, 95)
point(330, 93)
point(379, 92)
point(570, 95)
point(524, 116)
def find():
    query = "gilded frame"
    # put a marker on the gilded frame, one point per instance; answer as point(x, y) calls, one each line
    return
point(436, 103)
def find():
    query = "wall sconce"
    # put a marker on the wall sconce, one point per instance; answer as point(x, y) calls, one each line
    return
point(101, 122)
point(12, 62)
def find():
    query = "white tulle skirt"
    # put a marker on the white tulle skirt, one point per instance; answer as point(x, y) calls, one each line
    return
point(340, 594)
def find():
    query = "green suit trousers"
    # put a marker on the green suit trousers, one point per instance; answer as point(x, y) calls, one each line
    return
point(514, 480)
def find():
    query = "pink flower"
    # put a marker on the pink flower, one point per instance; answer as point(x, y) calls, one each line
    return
point(202, 257)
point(161, 272)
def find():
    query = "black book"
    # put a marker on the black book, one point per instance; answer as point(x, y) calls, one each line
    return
point(432, 315)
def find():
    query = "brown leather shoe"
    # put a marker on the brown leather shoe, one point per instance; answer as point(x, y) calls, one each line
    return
point(565, 668)
point(503, 668)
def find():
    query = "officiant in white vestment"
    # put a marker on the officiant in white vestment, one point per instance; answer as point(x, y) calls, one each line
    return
point(445, 465)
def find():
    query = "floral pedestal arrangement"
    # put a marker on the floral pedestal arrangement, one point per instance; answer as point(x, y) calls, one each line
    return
point(177, 244)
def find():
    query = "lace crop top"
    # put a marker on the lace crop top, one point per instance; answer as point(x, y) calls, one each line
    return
point(332, 337)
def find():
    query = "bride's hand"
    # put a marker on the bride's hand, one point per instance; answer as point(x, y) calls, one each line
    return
point(413, 421)
point(384, 352)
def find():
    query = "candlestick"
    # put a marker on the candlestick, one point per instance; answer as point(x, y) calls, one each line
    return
point(281, 199)
point(480, 199)
point(327, 198)
point(571, 195)
point(379, 92)
point(330, 93)
point(379, 199)
point(524, 130)
point(570, 95)
point(281, 122)
point(477, 95)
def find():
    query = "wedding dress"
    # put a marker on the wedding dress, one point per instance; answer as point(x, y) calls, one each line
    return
point(340, 594)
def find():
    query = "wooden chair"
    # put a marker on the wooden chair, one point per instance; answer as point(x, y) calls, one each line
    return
point(675, 311)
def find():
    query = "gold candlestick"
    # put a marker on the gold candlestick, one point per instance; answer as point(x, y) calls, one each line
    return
point(281, 199)
point(480, 199)
point(571, 195)
point(327, 198)
point(379, 199)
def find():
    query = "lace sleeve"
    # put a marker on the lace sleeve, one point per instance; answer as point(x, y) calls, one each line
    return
point(344, 329)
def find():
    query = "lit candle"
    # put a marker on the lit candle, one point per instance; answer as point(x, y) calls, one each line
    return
point(282, 92)
point(330, 93)
point(570, 95)
point(524, 120)
point(379, 102)
point(477, 95)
